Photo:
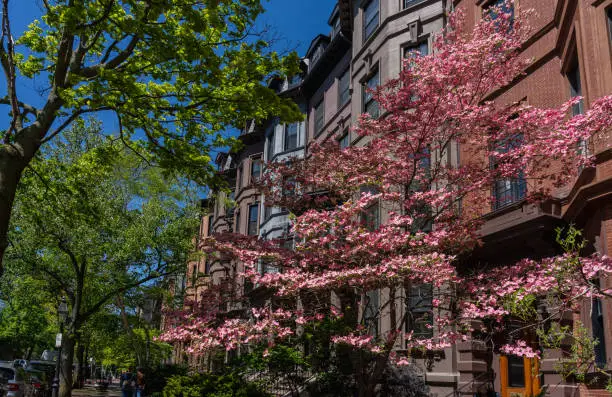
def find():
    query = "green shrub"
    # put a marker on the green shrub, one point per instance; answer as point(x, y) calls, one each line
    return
point(157, 378)
point(211, 385)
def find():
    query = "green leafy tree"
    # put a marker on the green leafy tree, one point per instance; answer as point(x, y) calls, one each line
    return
point(124, 351)
point(174, 72)
point(94, 222)
point(26, 328)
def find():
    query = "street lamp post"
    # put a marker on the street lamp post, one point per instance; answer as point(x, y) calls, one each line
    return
point(62, 312)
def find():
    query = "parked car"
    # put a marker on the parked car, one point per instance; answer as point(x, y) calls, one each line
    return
point(40, 385)
point(15, 382)
point(45, 372)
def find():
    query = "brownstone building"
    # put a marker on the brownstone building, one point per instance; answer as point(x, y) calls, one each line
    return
point(571, 49)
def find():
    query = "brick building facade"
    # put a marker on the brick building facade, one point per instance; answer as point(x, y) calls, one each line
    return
point(571, 49)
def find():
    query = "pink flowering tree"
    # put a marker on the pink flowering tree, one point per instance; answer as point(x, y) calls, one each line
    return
point(400, 212)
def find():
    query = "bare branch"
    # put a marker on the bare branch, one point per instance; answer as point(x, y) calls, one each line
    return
point(70, 119)
point(122, 56)
point(8, 64)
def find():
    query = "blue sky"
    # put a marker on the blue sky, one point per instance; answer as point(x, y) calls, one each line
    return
point(298, 21)
point(293, 22)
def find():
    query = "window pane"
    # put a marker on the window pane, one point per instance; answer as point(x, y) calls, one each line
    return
point(291, 135)
point(210, 226)
point(371, 217)
point(267, 212)
point(343, 89)
point(419, 307)
point(319, 117)
point(503, 7)
point(335, 27)
point(516, 371)
point(270, 143)
point(253, 219)
point(597, 324)
point(419, 49)
point(255, 169)
point(344, 141)
point(370, 18)
point(609, 14)
point(409, 2)
point(370, 106)
point(289, 187)
point(370, 314)
point(573, 76)
point(508, 190)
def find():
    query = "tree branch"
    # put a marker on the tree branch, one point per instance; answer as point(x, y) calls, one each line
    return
point(92, 310)
point(73, 260)
point(104, 16)
point(122, 56)
point(26, 107)
point(70, 119)
point(8, 64)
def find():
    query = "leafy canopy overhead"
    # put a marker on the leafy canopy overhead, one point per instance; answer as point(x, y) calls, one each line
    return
point(176, 72)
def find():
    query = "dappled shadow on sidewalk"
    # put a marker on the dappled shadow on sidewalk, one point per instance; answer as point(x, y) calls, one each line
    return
point(90, 391)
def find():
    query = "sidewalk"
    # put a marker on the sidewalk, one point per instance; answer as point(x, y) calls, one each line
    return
point(90, 391)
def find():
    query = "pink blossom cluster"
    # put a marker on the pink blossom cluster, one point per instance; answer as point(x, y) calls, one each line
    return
point(521, 349)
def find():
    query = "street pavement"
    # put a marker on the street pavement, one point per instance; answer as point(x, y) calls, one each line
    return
point(90, 391)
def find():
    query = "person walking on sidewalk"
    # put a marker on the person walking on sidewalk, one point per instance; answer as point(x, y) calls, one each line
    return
point(140, 382)
point(128, 383)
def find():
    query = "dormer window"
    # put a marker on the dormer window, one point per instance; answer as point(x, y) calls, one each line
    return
point(316, 55)
point(335, 27)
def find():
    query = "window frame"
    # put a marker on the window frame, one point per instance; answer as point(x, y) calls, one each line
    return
point(409, 3)
point(267, 212)
point(209, 229)
point(254, 161)
point(367, 99)
point(419, 314)
point(609, 23)
point(416, 47)
point(287, 141)
point(335, 26)
point(573, 75)
point(598, 331)
point(270, 147)
point(319, 116)
point(344, 92)
point(574, 79)
point(251, 221)
point(376, 18)
point(517, 185)
point(516, 362)
point(371, 312)
point(344, 141)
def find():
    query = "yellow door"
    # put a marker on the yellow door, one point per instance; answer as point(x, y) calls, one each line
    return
point(519, 376)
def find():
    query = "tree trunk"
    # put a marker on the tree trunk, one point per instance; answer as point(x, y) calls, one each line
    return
point(12, 164)
point(67, 360)
point(80, 358)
